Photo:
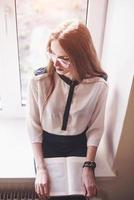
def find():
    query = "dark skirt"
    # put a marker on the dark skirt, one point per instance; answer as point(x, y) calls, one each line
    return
point(63, 146)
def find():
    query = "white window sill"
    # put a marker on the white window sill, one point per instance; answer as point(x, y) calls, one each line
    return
point(16, 157)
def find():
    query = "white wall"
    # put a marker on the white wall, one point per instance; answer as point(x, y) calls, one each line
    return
point(110, 24)
point(96, 22)
point(118, 60)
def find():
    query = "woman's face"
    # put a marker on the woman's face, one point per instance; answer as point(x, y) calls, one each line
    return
point(60, 59)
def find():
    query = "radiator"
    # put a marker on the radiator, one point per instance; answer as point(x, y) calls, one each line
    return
point(18, 195)
point(23, 195)
point(17, 189)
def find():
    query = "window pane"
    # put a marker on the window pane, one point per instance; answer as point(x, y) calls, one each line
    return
point(35, 20)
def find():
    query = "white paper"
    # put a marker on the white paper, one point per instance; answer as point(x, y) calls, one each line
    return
point(65, 175)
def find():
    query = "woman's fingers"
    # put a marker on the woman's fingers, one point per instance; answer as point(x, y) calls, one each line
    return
point(42, 190)
point(42, 184)
point(84, 189)
point(95, 191)
point(46, 190)
point(37, 190)
point(89, 182)
point(91, 191)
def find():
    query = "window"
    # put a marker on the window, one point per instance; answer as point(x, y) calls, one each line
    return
point(35, 20)
point(26, 26)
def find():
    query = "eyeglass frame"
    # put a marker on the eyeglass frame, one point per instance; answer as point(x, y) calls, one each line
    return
point(63, 62)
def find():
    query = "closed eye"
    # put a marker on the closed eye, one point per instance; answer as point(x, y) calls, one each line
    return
point(66, 58)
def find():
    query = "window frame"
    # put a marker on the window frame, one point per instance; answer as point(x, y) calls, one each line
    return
point(11, 96)
point(11, 106)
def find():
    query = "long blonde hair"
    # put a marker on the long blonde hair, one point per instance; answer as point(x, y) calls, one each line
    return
point(75, 39)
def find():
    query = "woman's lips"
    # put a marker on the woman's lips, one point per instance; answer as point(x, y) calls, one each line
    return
point(59, 69)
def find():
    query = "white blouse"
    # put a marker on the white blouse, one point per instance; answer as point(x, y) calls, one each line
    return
point(85, 107)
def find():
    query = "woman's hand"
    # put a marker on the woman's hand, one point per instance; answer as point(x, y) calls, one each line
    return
point(89, 182)
point(42, 183)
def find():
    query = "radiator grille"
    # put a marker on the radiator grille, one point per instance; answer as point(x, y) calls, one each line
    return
point(18, 195)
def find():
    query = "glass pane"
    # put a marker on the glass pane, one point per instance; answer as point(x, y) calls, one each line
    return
point(35, 20)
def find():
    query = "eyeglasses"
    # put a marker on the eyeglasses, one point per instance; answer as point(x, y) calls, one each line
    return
point(63, 60)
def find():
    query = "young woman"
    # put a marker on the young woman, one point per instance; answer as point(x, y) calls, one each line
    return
point(66, 105)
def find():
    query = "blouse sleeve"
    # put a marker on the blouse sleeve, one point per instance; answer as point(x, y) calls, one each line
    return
point(32, 116)
point(96, 123)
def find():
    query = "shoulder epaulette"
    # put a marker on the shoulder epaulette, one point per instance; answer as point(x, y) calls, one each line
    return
point(40, 71)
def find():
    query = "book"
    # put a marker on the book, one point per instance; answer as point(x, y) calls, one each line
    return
point(65, 175)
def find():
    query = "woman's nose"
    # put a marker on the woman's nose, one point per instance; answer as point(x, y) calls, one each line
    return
point(56, 62)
